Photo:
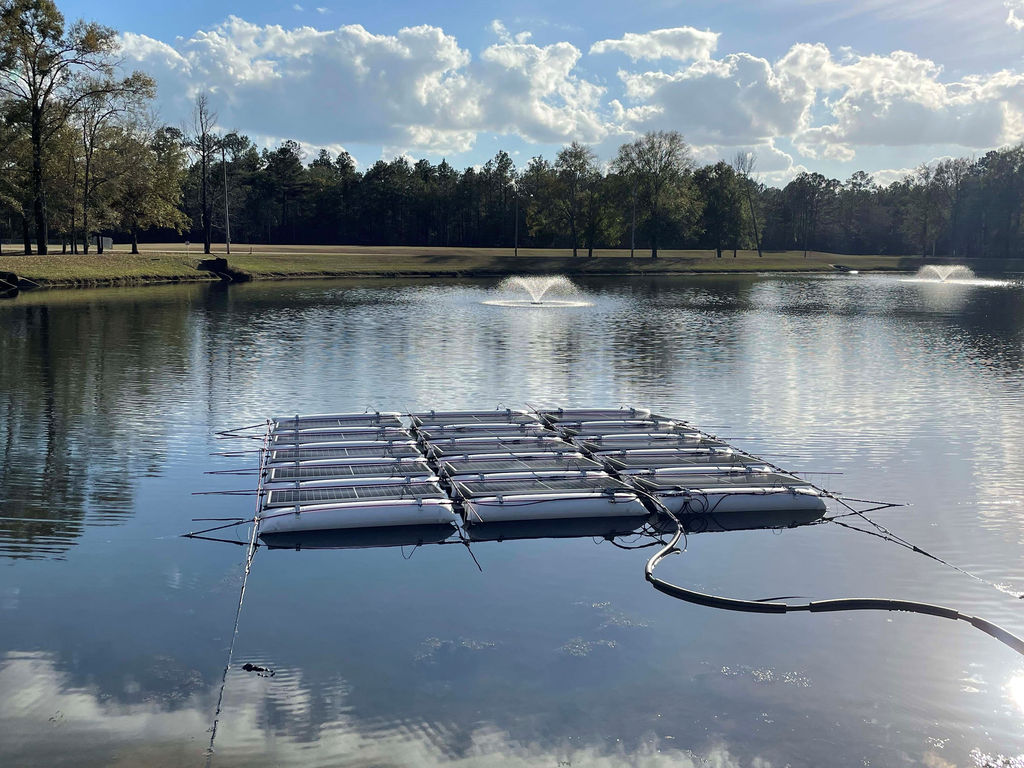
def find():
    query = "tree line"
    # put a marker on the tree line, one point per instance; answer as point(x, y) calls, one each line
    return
point(82, 156)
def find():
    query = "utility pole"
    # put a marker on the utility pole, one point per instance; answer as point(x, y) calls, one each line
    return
point(516, 248)
point(632, 230)
point(227, 219)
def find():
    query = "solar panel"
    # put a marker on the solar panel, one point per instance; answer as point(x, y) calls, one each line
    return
point(696, 481)
point(545, 445)
point(640, 460)
point(325, 471)
point(338, 435)
point(295, 454)
point(327, 495)
point(481, 430)
point(672, 441)
point(534, 463)
point(579, 414)
point(626, 427)
point(476, 488)
point(465, 417)
point(340, 420)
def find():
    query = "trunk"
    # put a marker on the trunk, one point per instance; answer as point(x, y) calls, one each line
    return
point(205, 195)
point(26, 234)
point(99, 243)
point(718, 251)
point(753, 222)
point(135, 242)
point(590, 252)
point(86, 175)
point(38, 196)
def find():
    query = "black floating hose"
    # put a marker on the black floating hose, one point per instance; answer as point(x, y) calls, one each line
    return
point(820, 606)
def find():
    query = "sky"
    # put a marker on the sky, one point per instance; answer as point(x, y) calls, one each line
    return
point(819, 85)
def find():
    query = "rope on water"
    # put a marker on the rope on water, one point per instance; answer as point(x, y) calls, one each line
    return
point(249, 555)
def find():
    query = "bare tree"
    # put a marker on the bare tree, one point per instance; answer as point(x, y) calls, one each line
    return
point(204, 146)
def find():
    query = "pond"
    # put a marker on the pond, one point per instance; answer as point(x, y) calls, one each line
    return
point(116, 629)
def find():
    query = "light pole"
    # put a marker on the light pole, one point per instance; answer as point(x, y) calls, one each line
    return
point(227, 215)
point(515, 249)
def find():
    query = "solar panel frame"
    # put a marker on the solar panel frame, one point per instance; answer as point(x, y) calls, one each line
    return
point(577, 462)
point(723, 482)
point(470, 489)
point(508, 416)
point(281, 455)
point(298, 497)
point(287, 473)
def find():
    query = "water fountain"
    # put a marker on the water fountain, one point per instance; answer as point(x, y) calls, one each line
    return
point(945, 272)
point(538, 287)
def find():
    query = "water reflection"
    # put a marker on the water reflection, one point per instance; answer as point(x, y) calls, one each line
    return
point(108, 403)
point(276, 721)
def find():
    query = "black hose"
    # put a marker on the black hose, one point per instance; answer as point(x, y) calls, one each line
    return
point(821, 606)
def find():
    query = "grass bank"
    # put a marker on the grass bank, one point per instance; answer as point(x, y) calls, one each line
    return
point(170, 263)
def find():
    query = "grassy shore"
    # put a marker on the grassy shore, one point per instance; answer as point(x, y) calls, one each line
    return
point(170, 263)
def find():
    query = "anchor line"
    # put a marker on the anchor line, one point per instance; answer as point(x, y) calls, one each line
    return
point(250, 554)
point(842, 604)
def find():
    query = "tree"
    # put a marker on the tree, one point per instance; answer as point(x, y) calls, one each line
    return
point(659, 162)
point(149, 183)
point(744, 164)
point(204, 146)
point(576, 166)
point(722, 215)
point(49, 70)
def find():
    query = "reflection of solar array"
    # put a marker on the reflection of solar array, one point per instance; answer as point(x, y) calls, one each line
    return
point(340, 421)
point(477, 488)
point(670, 441)
point(469, 417)
point(328, 494)
point(696, 481)
point(328, 471)
point(519, 464)
point(640, 460)
point(511, 445)
point(296, 454)
point(337, 435)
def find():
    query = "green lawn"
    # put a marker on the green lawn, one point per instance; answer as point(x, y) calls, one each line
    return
point(168, 263)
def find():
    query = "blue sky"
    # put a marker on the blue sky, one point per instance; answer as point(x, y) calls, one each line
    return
point(816, 84)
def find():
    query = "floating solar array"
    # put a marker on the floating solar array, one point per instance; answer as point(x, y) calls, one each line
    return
point(489, 472)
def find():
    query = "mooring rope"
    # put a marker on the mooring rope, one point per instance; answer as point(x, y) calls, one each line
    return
point(250, 554)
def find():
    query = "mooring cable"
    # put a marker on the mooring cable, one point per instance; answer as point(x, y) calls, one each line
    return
point(250, 554)
point(842, 604)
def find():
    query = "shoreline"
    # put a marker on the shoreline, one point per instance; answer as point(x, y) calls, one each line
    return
point(160, 267)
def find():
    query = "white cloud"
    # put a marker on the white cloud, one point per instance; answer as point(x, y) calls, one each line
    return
point(419, 90)
point(683, 43)
point(323, 11)
point(1015, 13)
point(416, 89)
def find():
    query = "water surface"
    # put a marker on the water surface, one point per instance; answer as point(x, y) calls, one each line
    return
point(115, 630)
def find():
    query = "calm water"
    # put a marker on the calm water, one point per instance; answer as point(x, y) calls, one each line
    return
point(113, 630)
